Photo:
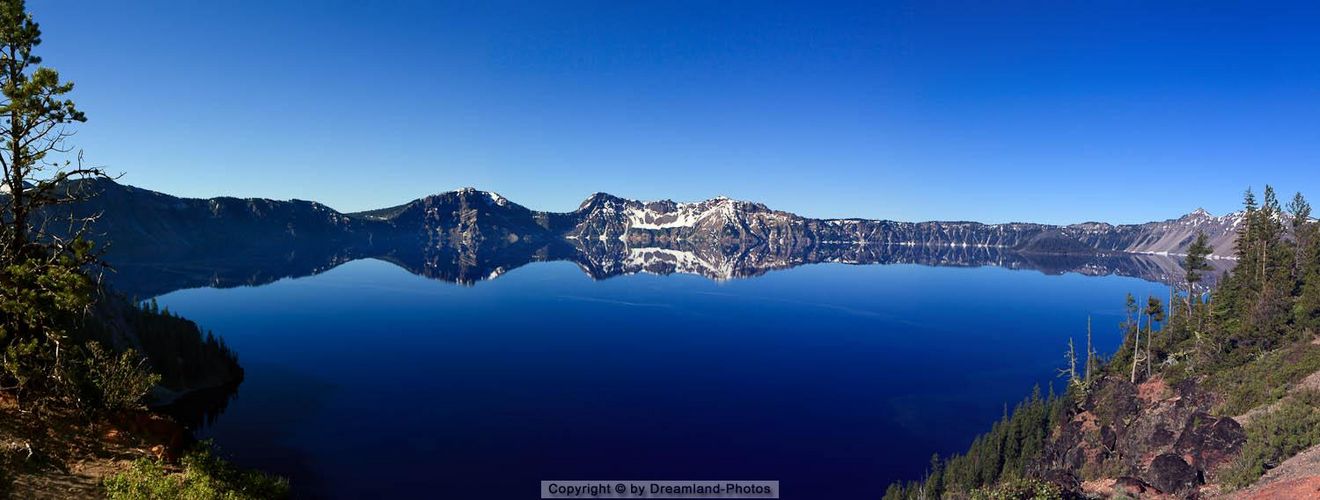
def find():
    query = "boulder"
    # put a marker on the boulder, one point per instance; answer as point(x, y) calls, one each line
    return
point(1171, 474)
point(1210, 442)
point(1108, 438)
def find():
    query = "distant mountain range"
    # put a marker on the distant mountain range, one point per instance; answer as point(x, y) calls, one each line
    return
point(469, 216)
point(468, 235)
point(466, 217)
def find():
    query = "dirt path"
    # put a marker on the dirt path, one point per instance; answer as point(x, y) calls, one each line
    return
point(59, 457)
point(82, 480)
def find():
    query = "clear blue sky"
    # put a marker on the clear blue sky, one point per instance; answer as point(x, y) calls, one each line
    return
point(1116, 111)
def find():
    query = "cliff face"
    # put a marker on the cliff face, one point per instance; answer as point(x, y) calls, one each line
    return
point(724, 222)
point(1143, 439)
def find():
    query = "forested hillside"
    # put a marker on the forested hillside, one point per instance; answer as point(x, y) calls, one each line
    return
point(1205, 396)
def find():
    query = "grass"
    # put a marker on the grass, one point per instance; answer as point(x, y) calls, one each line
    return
point(1271, 438)
point(203, 476)
point(1265, 379)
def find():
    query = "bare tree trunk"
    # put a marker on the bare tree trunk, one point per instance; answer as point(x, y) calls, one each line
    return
point(1136, 347)
point(1150, 332)
point(1191, 289)
point(1089, 351)
point(1072, 364)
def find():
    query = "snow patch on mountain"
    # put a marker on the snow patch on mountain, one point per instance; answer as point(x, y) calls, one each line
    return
point(667, 214)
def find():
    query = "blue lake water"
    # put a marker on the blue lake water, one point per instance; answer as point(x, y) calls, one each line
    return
point(367, 380)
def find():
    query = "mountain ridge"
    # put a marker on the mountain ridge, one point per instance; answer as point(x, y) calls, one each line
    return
point(469, 217)
point(603, 215)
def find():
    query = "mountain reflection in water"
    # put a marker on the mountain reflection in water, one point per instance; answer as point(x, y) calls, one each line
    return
point(145, 275)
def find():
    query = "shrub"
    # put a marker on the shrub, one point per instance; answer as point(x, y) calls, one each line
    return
point(1019, 489)
point(203, 476)
point(26, 365)
point(1265, 379)
point(116, 381)
point(41, 301)
point(1275, 436)
point(146, 479)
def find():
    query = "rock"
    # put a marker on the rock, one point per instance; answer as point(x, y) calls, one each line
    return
point(1066, 446)
point(1108, 438)
point(1168, 439)
point(1161, 437)
point(1210, 442)
point(1191, 395)
point(1171, 474)
point(1114, 403)
point(1223, 443)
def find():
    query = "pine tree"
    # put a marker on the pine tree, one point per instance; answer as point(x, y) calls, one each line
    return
point(1154, 313)
point(44, 287)
point(1195, 264)
point(1267, 312)
point(1236, 297)
point(1246, 232)
point(1241, 285)
point(1306, 265)
point(36, 113)
point(1268, 229)
point(1306, 309)
point(1300, 212)
point(936, 478)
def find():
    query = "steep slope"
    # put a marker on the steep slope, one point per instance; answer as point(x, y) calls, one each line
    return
point(1170, 236)
point(466, 217)
point(138, 222)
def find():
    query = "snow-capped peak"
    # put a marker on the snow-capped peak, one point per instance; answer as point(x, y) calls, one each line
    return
point(496, 198)
point(490, 196)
